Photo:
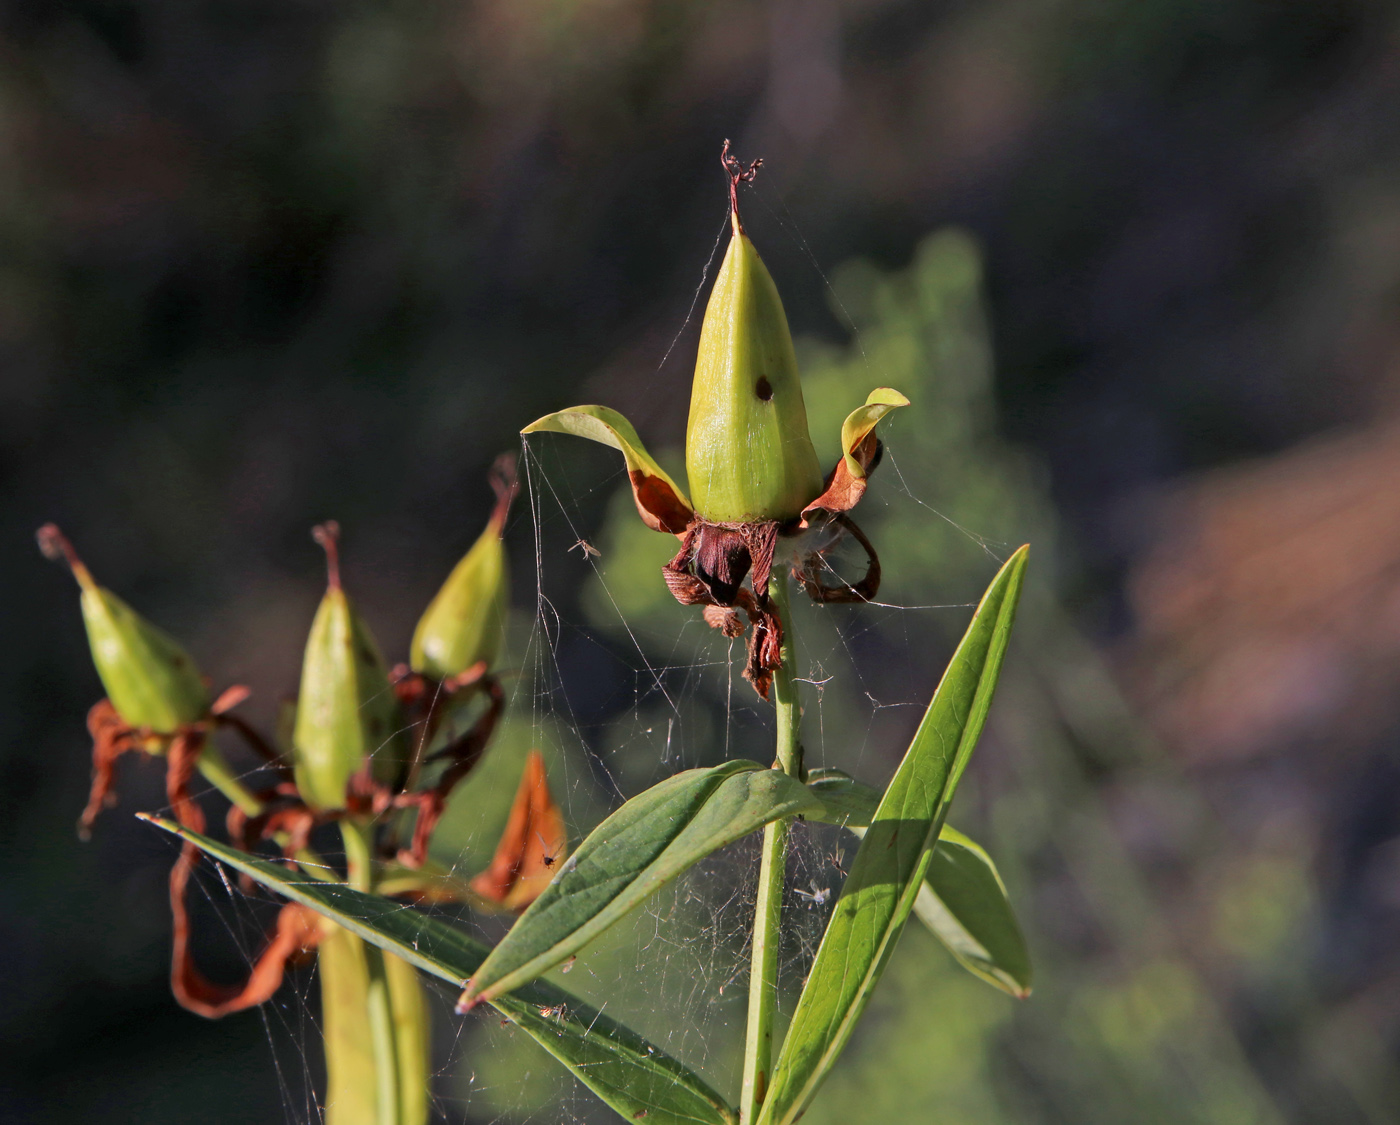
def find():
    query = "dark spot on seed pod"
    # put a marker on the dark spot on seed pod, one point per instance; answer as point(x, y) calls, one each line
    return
point(764, 388)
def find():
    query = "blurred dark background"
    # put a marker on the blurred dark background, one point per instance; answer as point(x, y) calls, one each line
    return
point(261, 264)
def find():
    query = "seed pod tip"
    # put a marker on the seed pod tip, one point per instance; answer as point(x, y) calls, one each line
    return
point(737, 173)
point(327, 536)
point(53, 544)
point(506, 484)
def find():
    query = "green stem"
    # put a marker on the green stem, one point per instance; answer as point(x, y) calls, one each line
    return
point(216, 771)
point(763, 971)
point(359, 850)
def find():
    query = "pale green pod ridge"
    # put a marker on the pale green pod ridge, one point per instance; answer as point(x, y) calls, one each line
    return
point(748, 453)
point(149, 678)
point(347, 711)
point(465, 622)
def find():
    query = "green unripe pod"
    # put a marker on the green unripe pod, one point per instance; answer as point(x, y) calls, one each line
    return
point(748, 454)
point(150, 679)
point(465, 623)
point(347, 712)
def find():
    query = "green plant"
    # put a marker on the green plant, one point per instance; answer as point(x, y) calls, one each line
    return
point(762, 516)
point(371, 752)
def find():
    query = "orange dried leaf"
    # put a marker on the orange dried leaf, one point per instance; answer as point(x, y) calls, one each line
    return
point(531, 847)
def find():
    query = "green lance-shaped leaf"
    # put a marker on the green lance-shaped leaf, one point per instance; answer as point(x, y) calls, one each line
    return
point(650, 840)
point(748, 453)
point(963, 901)
point(637, 1079)
point(660, 501)
point(352, 1096)
point(465, 623)
point(151, 681)
point(347, 712)
point(889, 867)
point(845, 801)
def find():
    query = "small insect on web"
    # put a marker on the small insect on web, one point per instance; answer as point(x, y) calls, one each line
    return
point(546, 858)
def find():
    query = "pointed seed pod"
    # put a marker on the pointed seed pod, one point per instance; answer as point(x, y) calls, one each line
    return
point(748, 454)
point(464, 625)
point(346, 711)
point(151, 681)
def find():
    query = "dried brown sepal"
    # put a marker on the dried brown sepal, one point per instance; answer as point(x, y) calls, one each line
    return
point(111, 738)
point(709, 570)
point(658, 505)
point(505, 483)
point(297, 933)
point(765, 651)
point(843, 489)
point(724, 618)
point(863, 591)
point(533, 842)
point(182, 759)
point(424, 701)
point(714, 559)
point(283, 812)
point(720, 559)
point(462, 756)
point(684, 586)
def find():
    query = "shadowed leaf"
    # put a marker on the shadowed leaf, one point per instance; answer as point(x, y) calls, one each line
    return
point(634, 1077)
point(645, 844)
point(963, 900)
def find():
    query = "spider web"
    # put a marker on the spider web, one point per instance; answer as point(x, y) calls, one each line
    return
point(621, 687)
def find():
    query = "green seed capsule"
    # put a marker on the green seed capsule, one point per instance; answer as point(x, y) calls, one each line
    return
point(465, 623)
point(151, 681)
point(748, 454)
point(346, 711)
